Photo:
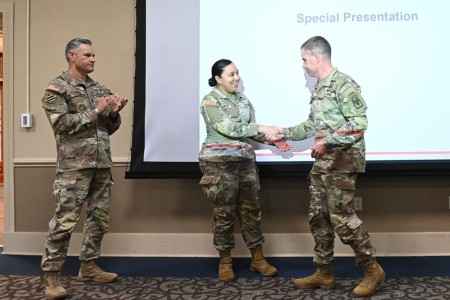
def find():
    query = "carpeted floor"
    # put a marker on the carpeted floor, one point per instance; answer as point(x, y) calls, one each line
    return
point(184, 278)
point(170, 288)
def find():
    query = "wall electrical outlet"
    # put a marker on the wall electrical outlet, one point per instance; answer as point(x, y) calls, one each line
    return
point(357, 203)
point(26, 121)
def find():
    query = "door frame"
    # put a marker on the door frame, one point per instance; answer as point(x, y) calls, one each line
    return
point(8, 117)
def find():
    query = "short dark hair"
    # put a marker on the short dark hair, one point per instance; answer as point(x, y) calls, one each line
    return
point(75, 43)
point(317, 44)
point(217, 70)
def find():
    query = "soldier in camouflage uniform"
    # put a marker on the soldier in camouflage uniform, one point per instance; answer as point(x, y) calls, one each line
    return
point(83, 114)
point(227, 161)
point(337, 120)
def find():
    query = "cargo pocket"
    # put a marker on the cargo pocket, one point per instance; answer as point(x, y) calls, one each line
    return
point(343, 159)
point(345, 182)
point(342, 193)
point(64, 193)
point(210, 181)
point(354, 222)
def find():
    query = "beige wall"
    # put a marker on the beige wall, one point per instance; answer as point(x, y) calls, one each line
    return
point(154, 217)
point(108, 23)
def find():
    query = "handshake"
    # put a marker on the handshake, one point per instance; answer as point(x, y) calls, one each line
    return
point(275, 134)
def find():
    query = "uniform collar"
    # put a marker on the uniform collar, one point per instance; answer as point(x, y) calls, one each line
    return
point(75, 81)
point(327, 80)
point(222, 95)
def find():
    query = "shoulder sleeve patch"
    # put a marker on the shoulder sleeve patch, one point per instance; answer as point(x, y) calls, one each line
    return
point(50, 98)
point(352, 95)
point(357, 102)
point(55, 88)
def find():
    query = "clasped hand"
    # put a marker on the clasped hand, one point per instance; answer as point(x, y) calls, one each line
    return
point(275, 134)
point(116, 102)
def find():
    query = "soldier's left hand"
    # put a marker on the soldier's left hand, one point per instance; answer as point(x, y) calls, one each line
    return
point(117, 104)
point(318, 150)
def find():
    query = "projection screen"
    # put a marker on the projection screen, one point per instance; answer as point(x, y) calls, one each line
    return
point(395, 50)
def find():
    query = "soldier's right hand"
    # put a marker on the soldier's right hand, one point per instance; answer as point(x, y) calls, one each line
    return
point(103, 103)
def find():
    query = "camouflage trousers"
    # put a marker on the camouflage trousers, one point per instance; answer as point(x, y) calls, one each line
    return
point(71, 190)
point(331, 211)
point(232, 187)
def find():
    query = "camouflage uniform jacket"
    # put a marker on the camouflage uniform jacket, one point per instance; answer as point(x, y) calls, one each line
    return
point(82, 136)
point(230, 121)
point(337, 115)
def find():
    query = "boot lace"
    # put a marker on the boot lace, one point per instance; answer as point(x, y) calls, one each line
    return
point(368, 278)
point(95, 269)
point(313, 277)
point(53, 281)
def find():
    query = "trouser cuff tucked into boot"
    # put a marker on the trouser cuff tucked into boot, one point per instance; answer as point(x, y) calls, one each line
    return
point(225, 266)
point(323, 278)
point(259, 263)
point(52, 286)
point(373, 275)
point(89, 271)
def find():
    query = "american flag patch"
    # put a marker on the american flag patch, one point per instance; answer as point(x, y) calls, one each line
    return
point(210, 102)
point(54, 87)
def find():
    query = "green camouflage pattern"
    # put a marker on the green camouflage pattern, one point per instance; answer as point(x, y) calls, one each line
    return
point(70, 191)
point(83, 172)
point(232, 187)
point(338, 116)
point(82, 137)
point(230, 121)
point(331, 211)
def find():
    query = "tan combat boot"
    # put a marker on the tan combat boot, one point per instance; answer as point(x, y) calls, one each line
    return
point(373, 275)
point(225, 266)
point(52, 287)
point(90, 271)
point(323, 278)
point(260, 264)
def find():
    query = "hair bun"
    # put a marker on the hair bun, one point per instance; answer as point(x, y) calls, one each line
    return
point(212, 81)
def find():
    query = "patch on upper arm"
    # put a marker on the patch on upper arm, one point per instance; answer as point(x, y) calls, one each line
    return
point(55, 88)
point(50, 98)
point(356, 101)
point(350, 93)
point(210, 102)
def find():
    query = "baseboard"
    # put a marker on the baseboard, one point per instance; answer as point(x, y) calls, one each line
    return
point(200, 245)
